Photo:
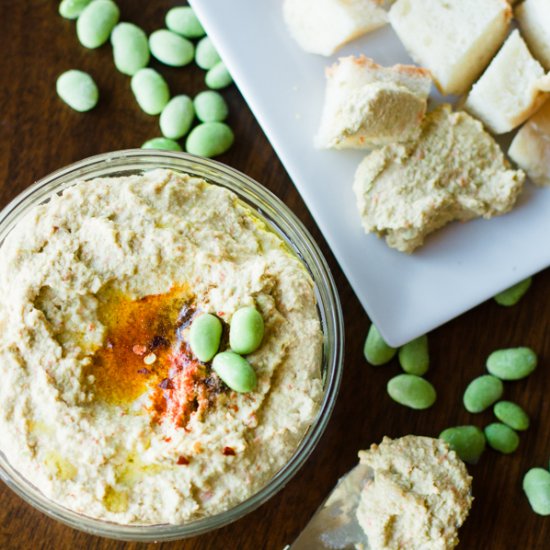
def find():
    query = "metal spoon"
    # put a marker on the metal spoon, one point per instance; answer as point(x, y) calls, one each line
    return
point(334, 525)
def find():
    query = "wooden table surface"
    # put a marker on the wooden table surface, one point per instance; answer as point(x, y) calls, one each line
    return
point(39, 134)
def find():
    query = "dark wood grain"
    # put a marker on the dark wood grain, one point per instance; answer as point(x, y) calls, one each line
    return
point(39, 134)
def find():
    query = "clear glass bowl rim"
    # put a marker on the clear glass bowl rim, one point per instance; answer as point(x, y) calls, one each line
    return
point(288, 226)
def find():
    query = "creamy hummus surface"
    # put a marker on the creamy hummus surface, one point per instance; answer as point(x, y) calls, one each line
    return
point(418, 497)
point(103, 405)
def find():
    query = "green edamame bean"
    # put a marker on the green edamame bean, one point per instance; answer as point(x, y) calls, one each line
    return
point(163, 143)
point(482, 392)
point(218, 77)
point(246, 331)
point(414, 357)
point(171, 49)
point(501, 437)
point(411, 391)
point(512, 415)
point(78, 90)
point(130, 48)
point(151, 91)
point(536, 485)
point(512, 363)
point(209, 139)
point(205, 335)
point(375, 349)
point(210, 106)
point(511, 296)
point(206, 56)
point(177, 117)
point(71, 9)
point(235, 371)
point(184, 21)
point(468, 442)
point(95, 23)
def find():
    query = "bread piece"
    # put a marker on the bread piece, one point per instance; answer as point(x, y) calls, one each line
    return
point(322, 26)
point(368, 105)
point(453, 39)
point(534, 21)
point(512, 88)
point(453, 171)
point(530, 149)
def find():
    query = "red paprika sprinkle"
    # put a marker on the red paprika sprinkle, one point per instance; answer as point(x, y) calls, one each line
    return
point(138, 349)
point(229, 451)
point(183, 461)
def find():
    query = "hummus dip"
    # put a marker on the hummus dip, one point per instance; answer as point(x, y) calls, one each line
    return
point(418, 497)
point(104, 408)
point(453, 171)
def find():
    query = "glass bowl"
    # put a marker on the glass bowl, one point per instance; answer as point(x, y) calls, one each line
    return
point(290, 229)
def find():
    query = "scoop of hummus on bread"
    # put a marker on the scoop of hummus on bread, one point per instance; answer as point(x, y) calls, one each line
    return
point(454, 170)
point(367, 105)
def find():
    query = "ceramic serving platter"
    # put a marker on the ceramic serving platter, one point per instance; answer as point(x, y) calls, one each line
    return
point(405, 295)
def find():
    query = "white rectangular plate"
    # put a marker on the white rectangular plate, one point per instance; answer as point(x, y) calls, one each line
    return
point(459, 267)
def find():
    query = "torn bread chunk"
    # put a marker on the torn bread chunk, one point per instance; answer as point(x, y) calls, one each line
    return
point(453, 171)
point(368, 105)
point(534, 21)
point(454, 40)
point(530, 149)
point(512, 88)
point(323, 26)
